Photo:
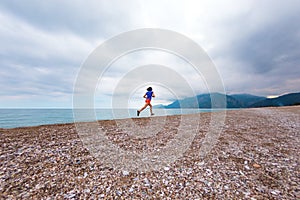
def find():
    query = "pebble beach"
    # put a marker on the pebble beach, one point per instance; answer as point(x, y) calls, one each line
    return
point(256, 156)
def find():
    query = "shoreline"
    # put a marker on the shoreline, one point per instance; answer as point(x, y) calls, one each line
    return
point(121, 118)
point(256, 156)
point(142, 117)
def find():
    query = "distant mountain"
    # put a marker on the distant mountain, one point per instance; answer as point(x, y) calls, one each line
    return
point(247, 100)
point(234, 101)
point(284, 100)
point(205, 101)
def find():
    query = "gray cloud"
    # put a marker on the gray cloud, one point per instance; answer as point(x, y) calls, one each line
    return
point(86, 18)
point(261, 49)
point(275, 45)
point(255, 45)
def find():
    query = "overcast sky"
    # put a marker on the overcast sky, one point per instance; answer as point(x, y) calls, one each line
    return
point(255, 46)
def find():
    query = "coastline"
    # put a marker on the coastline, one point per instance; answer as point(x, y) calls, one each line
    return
point(18, 118)
point(256, 156)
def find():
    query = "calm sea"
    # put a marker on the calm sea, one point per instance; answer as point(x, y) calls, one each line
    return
point(11, 118)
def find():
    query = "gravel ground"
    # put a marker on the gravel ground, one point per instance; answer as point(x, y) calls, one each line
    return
point(255, 157)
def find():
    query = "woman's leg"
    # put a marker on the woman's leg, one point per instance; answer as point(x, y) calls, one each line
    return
point(145, 106)
point(151, 109)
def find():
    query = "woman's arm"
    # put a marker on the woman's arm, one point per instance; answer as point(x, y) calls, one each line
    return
point(145, 96)
point(153, 95)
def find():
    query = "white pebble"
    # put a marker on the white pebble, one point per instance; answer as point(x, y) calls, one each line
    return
point(166, 168)
point(125, 173)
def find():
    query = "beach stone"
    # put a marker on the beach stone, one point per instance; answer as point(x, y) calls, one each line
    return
point(125, 173)
point(41, 162)
point(256, 165)
point(166, 168)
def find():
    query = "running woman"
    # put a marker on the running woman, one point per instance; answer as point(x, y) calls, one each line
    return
point(149, 94)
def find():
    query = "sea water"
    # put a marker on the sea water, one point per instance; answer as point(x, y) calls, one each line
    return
point(11, 118)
